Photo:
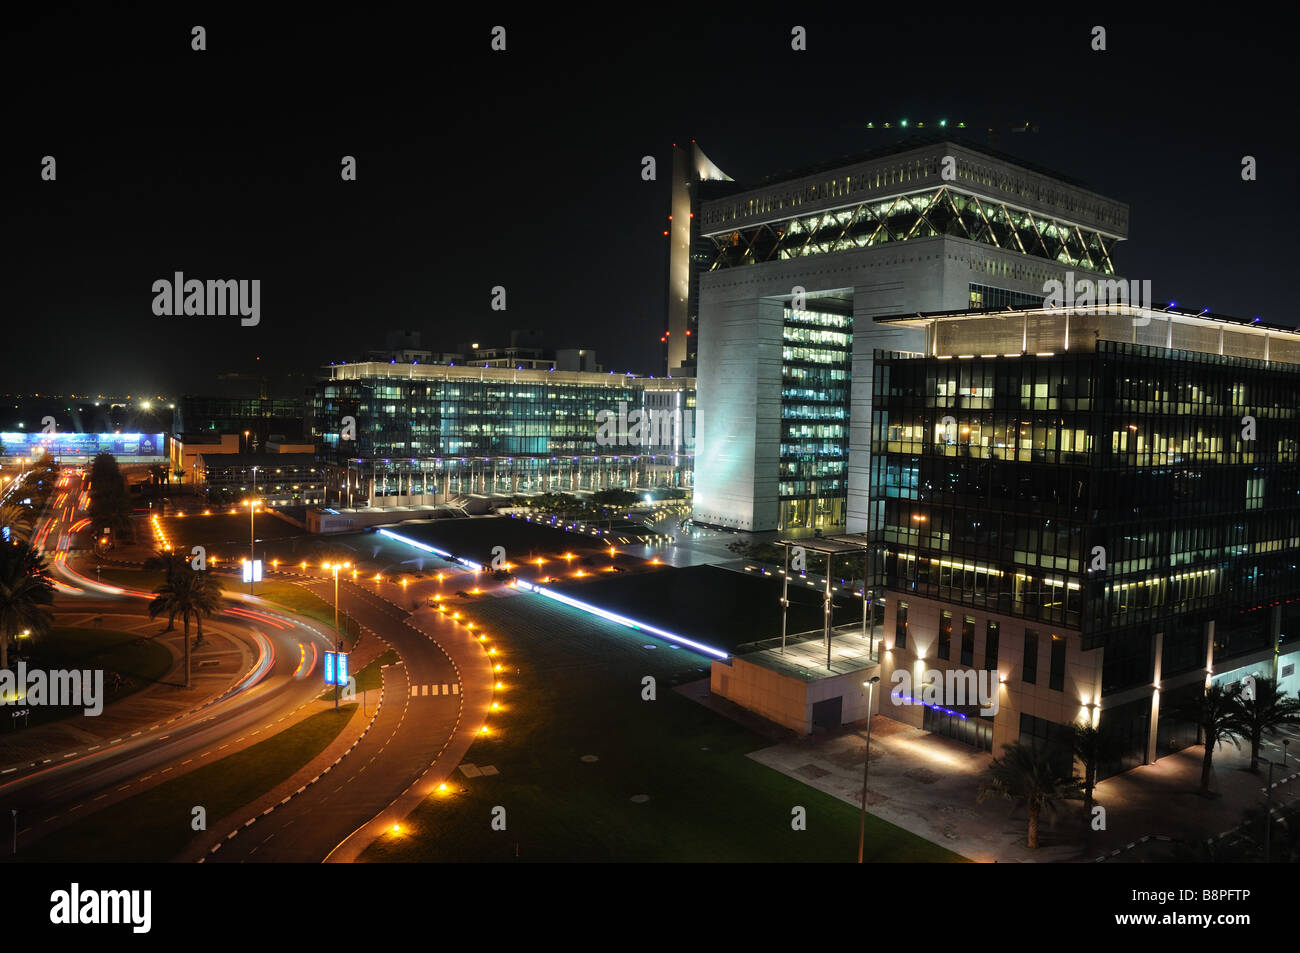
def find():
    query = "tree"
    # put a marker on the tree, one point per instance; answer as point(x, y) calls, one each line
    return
point(172, 564)
point(26, 592)
point(1267, 711)
point(1024, 773)
point(110, 504)
point(17, 519)
point(616, 497)
point(1214, 713)
point(190, 594)
point(1091, 747)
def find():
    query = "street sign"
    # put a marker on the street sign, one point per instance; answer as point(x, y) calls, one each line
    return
point(336, 668)
point(253, 571)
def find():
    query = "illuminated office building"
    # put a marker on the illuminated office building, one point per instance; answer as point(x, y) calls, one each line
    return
point(1102, 505)
point(922, 227)
point(425, 434)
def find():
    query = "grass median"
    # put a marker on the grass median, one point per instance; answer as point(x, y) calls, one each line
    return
point(155, 825)
point(370, 678)
point(129, 663)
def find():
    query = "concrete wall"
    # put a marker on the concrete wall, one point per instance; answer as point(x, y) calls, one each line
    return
point(738, 412)
point(1082, 669)
point(786, 699)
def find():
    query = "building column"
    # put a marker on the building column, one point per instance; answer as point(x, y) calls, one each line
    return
point(1209, 653)
point(1152, 729)
point(826, 605)
point(785, 596)
point(1275, 639)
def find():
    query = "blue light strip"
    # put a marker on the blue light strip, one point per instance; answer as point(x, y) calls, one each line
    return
point(621, 620)
point(946, 711)
point(430, 549)
point(569, 600)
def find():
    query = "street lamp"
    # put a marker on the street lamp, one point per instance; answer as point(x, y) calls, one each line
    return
point(1268, 811)
point(866, 764)
point(252, 509)
point(335, 567)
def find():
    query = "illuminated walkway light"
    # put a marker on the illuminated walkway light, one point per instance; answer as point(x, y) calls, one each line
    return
point(623, 620)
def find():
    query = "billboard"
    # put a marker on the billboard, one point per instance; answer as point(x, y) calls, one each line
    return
point(153, 445)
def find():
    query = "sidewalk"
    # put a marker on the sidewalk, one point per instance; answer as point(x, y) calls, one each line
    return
point(928, 784)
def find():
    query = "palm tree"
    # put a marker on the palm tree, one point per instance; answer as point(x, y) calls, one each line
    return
point(18, 520)
point(1024, 773)
point(172, 563)
point(26, 591)
point(188, 594)
point(1091, 747)
point(1267, 711)
point(1214, 713)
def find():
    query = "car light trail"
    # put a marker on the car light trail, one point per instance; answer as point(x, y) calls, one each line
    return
point(265, 662)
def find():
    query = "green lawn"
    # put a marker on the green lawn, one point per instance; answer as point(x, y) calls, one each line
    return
point(135, 660)
point(134, 578)
point(297, 599)
point(369, 678)
point(579, 693)
point(155, 825)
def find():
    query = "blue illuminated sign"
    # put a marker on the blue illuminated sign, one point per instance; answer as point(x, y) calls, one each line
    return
point(329, 668)
point(84, 444)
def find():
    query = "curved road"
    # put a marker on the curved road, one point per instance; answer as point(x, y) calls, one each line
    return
point(432, 707)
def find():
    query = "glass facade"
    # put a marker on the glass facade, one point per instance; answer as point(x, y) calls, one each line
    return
point(262, 416)
point(1111, 491)
point(988, 297)
point(432, 429)
point(816, 365)
point(923, 214)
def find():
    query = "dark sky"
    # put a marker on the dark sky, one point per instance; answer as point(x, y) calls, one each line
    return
point(522, 168)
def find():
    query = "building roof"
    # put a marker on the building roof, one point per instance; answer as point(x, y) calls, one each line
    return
point(263, 461)
point(906, 145)
point(1155, 310)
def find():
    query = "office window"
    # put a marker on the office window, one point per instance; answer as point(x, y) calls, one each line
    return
point(1029, 672)
point(1056, 679)
point(991, 647)
point(968, 641)
point(900, 626)
point(945, 635)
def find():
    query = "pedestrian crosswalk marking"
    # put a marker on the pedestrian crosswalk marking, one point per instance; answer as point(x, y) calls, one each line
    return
point(420, 691)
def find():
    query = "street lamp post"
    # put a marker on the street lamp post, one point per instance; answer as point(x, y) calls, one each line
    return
point(335, 567)
point(1268, 811)
point(252, 509)
point(866, 764)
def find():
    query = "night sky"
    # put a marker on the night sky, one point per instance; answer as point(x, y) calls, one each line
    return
point(522, 168)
